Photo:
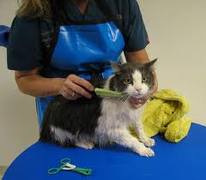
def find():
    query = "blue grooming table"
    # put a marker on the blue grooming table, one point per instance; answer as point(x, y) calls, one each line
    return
point(4, 35)
point(183, 161)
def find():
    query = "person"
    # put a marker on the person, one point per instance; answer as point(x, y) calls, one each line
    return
point(54, 44)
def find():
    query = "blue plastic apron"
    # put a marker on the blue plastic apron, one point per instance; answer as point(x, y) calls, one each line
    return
point(4, 34)
point(78, 45)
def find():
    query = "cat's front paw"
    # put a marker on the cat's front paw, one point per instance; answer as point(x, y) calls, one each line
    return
point(85, 145)
point(147, 152)
point(149, 142)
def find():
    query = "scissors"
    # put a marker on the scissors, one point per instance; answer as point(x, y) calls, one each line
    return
point(67, 166)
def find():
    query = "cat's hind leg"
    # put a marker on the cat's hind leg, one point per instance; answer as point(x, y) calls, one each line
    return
point(61, 136)
point(124, 138)
point(66, 138)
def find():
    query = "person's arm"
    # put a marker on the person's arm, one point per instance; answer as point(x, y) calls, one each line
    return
point(140, 56)
point(25, 57)
point(31, 83)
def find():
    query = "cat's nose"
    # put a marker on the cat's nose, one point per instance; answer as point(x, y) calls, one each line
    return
point(138, 89)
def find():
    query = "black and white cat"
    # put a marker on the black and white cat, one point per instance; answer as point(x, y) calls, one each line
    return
point(102, 121)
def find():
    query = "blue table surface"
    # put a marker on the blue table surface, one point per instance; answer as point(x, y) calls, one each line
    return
point(185, 160)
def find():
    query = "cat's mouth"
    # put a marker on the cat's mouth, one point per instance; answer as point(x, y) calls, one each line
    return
point(138, 96)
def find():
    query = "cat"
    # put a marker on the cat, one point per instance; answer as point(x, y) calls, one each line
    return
point(102, 121)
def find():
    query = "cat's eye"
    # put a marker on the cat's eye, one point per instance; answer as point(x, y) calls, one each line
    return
point(144, 80)
point(127, 81)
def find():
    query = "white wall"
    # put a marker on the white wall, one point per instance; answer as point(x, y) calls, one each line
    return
point(18, 124)
point(177, 33)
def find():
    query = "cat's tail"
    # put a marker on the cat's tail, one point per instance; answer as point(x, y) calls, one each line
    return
point(45, 130)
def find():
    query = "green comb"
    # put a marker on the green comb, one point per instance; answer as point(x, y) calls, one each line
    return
point(105, 93)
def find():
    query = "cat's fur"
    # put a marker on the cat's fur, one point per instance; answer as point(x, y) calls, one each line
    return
point(88, 122)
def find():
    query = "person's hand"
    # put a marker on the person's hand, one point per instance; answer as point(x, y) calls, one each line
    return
point(138, 102)
point(75, 87)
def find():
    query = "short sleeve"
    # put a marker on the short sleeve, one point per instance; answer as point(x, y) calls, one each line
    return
point(136, 37)
point(24, 50)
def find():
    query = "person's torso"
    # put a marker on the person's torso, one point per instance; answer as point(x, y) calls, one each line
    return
point(77, 39)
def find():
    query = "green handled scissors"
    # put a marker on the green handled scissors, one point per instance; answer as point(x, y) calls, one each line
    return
point(67, 166)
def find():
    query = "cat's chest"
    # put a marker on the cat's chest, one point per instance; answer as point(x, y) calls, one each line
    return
point(120, 111)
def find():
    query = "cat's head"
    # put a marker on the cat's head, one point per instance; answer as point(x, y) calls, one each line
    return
point(134, 79)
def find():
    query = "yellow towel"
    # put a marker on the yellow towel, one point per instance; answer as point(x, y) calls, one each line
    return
point(164, 113)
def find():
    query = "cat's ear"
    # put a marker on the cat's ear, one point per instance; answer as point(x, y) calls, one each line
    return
point(116, 67)
point(151, 63)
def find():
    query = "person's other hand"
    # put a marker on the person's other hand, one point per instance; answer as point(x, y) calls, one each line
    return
point(138, 102)
point(75, 87)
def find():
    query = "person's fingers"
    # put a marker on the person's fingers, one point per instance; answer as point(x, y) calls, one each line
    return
point(77, 89)
point(69, 94)
point(66, 93)
point(81, 82)
point(74, 96)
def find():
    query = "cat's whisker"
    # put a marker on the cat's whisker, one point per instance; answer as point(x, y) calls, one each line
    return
point(127, 98)
point(121, 98)
point(124, 98)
